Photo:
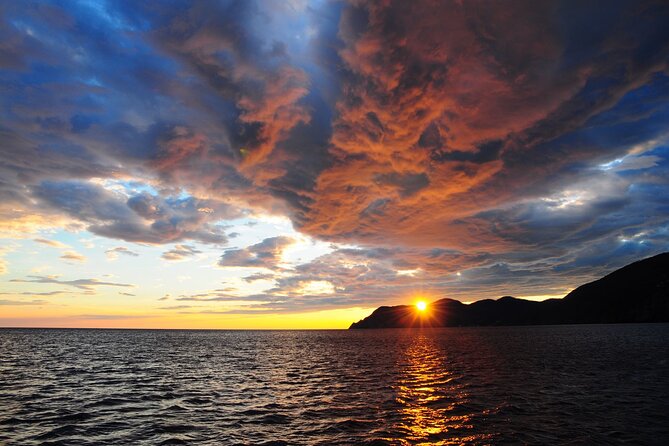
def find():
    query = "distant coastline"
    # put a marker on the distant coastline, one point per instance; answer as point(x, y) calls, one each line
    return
point(638, 292)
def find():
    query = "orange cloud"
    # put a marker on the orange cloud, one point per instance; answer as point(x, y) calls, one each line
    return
point(426, 114)
point(180, 144)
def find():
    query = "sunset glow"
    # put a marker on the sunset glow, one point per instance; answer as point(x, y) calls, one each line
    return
point(244, 164)
point(334, 222)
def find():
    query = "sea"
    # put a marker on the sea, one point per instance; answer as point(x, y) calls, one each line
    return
point(571, 384)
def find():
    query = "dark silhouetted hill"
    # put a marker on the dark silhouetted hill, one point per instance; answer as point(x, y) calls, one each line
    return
point(638, 292)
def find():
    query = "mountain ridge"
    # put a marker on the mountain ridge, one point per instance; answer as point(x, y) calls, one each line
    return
point(638, 292)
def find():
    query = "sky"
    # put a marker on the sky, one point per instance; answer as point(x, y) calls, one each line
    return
point(296, 164)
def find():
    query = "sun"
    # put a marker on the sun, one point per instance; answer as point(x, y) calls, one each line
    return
point(421, 305)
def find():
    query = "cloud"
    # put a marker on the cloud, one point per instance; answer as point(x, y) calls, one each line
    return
point(266, 254)
point(84, 284)
point(175, 307)
point(180, 252)
point(111, 317)
point(52, 243)
point(438, 117)
point(260, 83)
point(221, 297)
point(22, 302)
point(36, 293)
point(73, 256)
point(259, 276)
point(139, 218)
point(376, 276)
point(4, 250)
point(113, 254)
point(504, 141)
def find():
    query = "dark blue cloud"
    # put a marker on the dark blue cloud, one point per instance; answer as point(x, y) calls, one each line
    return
point(141, 218)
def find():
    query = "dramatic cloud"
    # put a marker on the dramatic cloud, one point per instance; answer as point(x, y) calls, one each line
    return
point(462, 148)
point(140, 218)
point(461, 115)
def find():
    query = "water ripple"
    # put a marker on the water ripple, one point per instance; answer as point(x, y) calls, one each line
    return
point(533, 385)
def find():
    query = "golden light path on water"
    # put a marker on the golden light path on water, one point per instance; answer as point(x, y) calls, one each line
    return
point(432, 398)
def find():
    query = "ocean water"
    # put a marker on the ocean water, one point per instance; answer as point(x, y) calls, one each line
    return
point(591, 384)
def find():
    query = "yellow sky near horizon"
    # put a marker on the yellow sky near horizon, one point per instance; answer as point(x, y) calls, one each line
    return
point(326, 319)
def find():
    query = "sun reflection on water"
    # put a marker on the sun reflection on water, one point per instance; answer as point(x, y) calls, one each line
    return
point(432, 398)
